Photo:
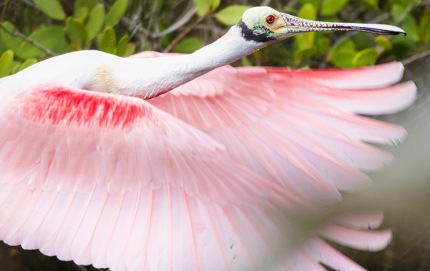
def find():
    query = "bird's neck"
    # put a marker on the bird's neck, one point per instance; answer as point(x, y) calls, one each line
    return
point(228, 49)
point(148, 78)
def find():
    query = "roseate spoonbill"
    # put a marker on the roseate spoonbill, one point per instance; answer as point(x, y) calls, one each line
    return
point(179, 162)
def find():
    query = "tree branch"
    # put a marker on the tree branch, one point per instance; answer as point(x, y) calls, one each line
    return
point(415, 57)
point(184, 33)
point(178, 24)
point(19, 35)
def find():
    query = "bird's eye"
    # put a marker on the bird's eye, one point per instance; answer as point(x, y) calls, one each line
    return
point(270, 19)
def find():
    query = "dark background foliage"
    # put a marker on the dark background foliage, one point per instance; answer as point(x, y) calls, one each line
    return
point(31, 30)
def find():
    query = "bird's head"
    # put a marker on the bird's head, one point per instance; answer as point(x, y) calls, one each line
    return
point(264, 24)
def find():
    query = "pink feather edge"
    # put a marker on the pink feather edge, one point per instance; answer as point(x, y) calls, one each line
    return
point(209, 176)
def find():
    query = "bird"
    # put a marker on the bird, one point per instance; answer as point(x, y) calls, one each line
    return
point(183, 162)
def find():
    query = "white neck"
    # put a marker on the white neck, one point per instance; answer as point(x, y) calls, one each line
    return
point(153, 76)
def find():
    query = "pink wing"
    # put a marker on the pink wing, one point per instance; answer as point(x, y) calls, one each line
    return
point(298, 128)
point(351, 230)
point(99, 178)
point(57, 138)
point(115, 182)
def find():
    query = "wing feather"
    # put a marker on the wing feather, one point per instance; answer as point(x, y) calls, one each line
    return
point(300, 129)
point(75, 151)
point(377, 76)
point(177, 182)
point(82, 188)
point(349, 230)
point(331, 257)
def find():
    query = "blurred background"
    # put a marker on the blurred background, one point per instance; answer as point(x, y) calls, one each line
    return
point(32, 30)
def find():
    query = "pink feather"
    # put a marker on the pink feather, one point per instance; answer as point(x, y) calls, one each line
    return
point(209, 176)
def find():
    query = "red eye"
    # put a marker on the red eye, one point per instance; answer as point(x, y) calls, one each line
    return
point(270, 19)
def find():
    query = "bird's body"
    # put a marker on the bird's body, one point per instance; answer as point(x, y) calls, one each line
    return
point(178, 162)
point(146, 78)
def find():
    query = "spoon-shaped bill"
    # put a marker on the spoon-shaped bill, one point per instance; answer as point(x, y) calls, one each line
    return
point(298, 25)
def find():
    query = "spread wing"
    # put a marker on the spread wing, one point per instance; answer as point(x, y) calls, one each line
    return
point(352, 230)
point(58, 138)
point(303, 129)
point(113, 181)
point(116, 182)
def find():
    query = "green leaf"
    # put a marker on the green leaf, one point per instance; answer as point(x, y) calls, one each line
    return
point(88, 4)
point(346, 46)
point(80, 14)
point(203, 6)
point(312, 2)
point(383, 42)
point(365, 57)
point(401, 2)
point(49, 37)
point(308, 11)
point(95, 22)
point(397, 13)
point(300, 55)
point(9, 41)
point(25, 65)
point(76, 32)
point(82, 9)
point(331, 7)
point(411, 27)
point(6, 60)
point(52, 8)
point(370, 3)
point(215, 4)
point(424, 27)
point(342, 54)
point(322, 43)
point(188, 45)
point(131, 49)
point(246, 62)
point(122, 46)
point(108, 41)
point(362, 40)
point(117, 11)
point(231, 14)
point(305, 41)
point(2, 46)
point(343, 59)
point(73, 47)
point(401, 46)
